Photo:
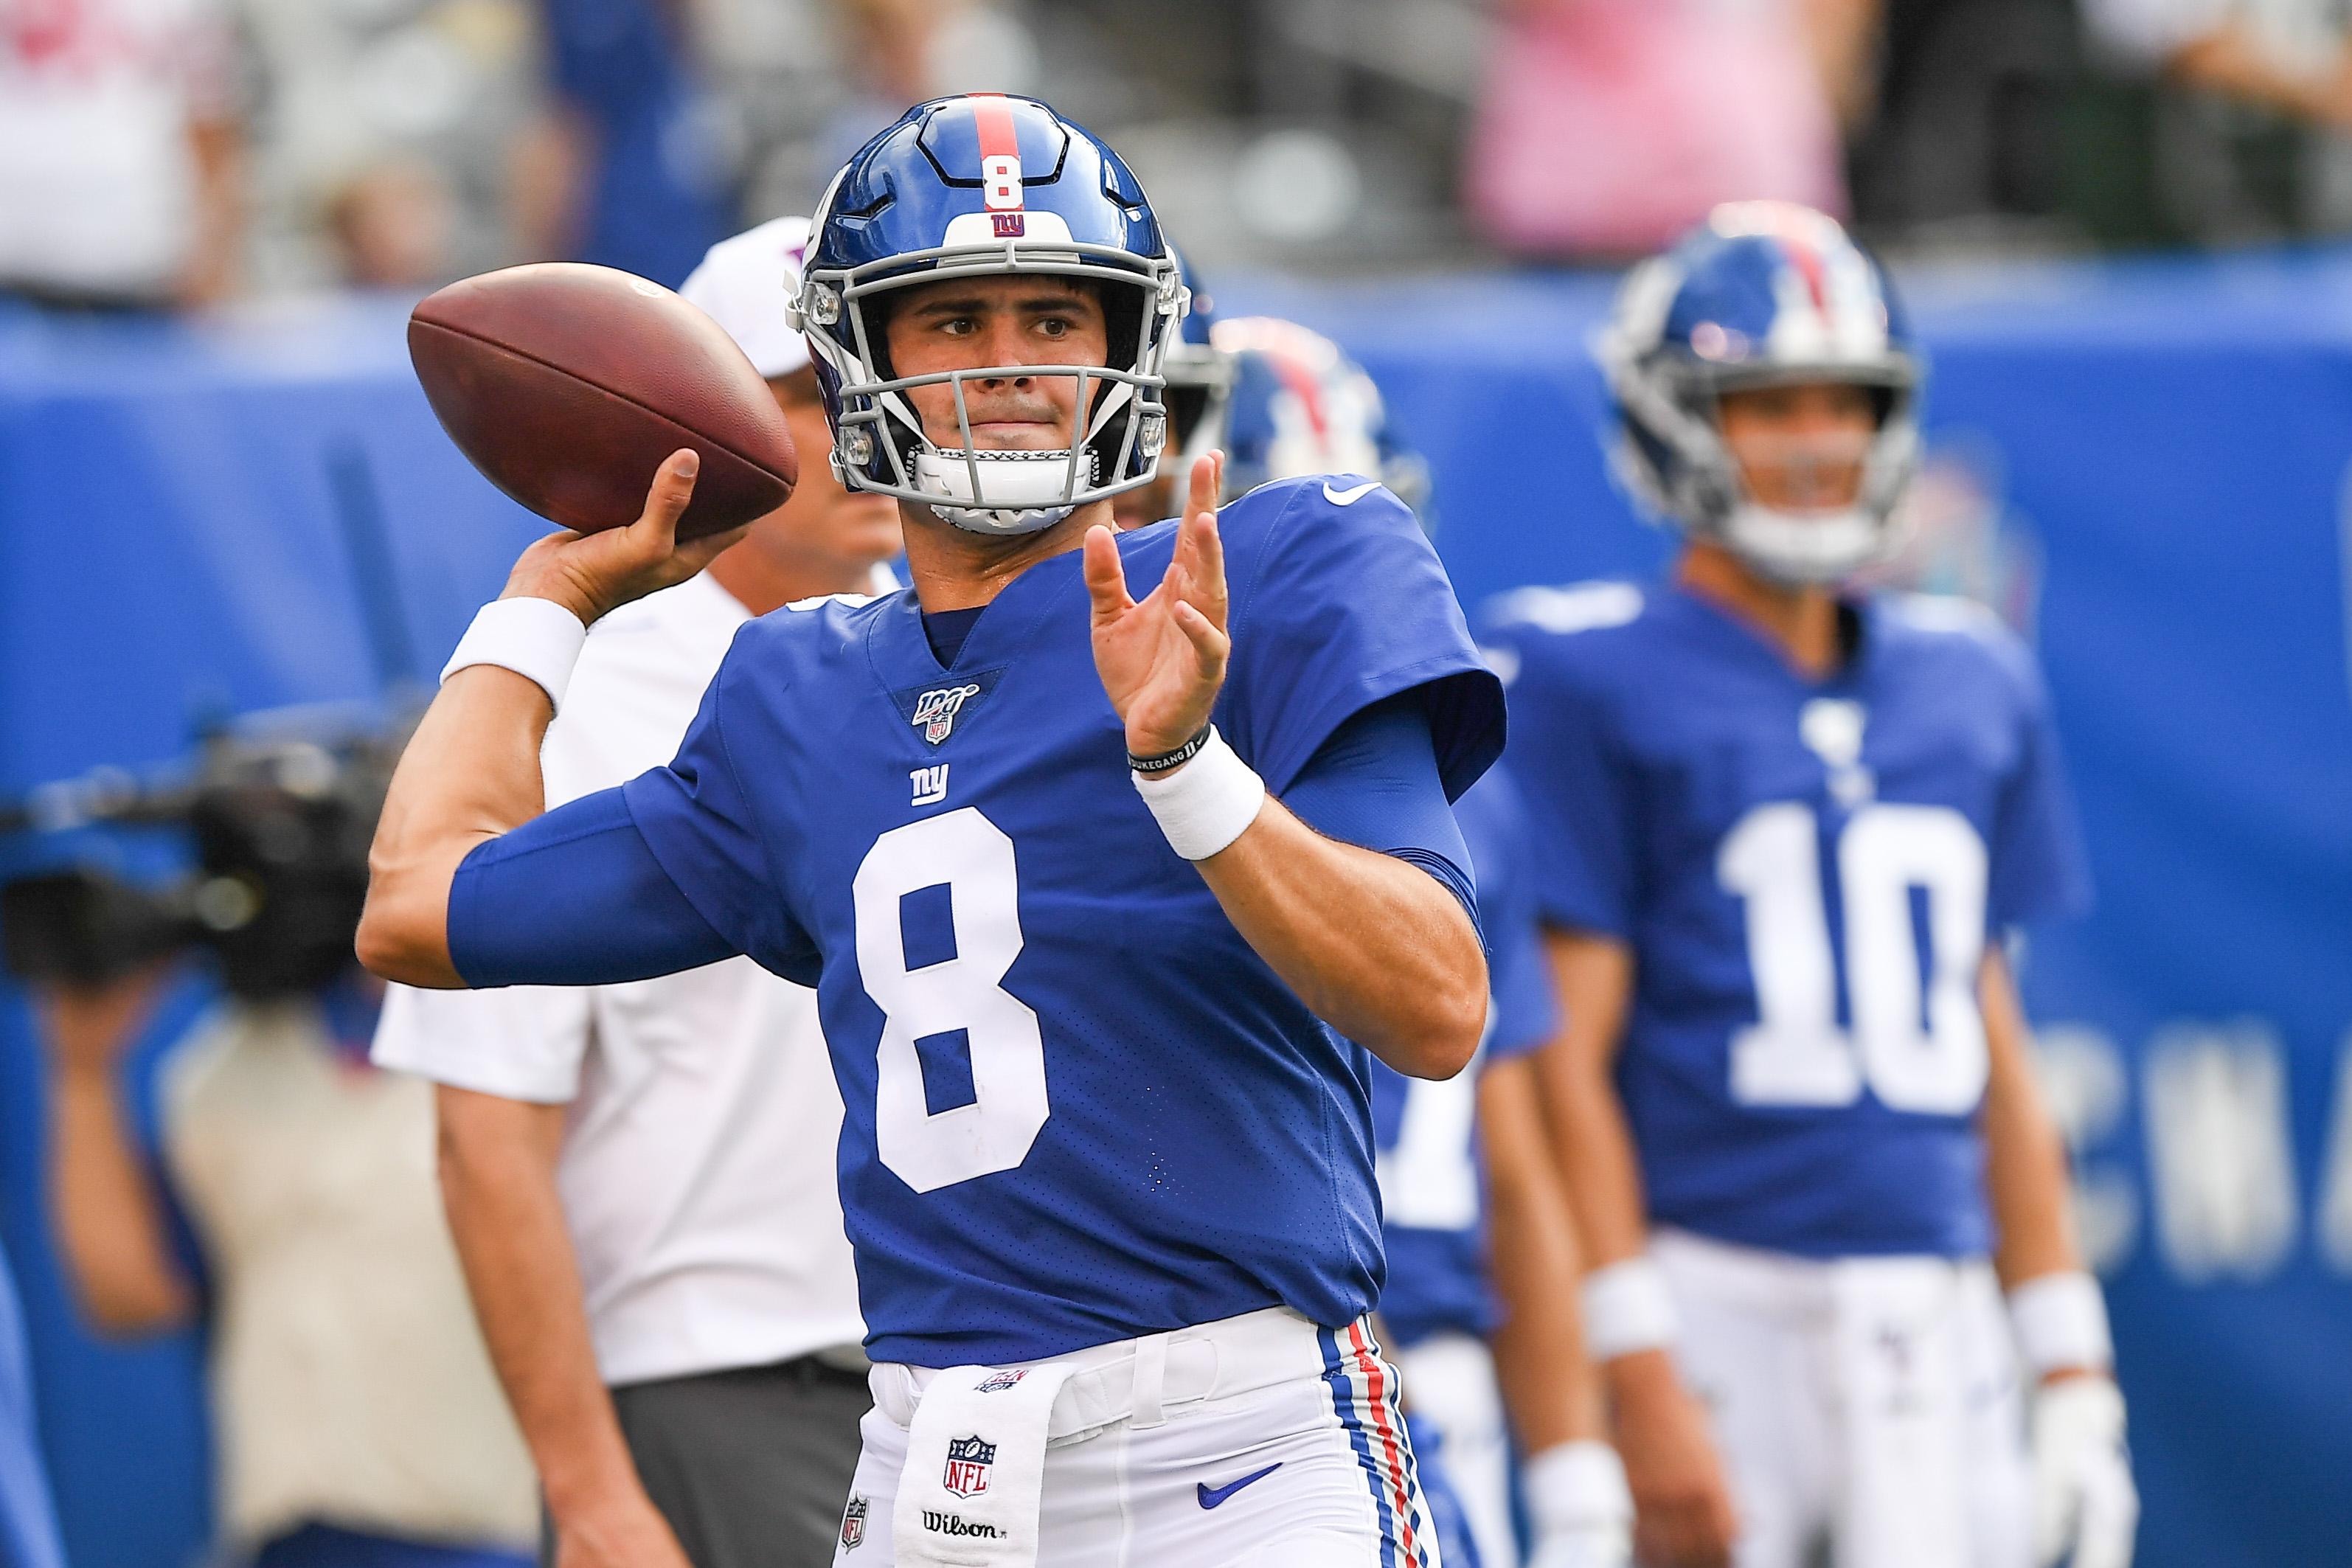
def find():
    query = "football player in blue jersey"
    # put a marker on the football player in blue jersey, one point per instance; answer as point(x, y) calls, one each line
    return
point(1782, 830)
point(1091, 887)
point(1480, 1304)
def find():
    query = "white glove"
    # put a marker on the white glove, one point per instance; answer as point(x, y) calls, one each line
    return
point(2083, 1498)
point(1578, 1504)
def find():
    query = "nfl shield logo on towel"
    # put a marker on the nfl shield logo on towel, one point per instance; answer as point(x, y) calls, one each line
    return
point(853, 1523)
point(968, 1462)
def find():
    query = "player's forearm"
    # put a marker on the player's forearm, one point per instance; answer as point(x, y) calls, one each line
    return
point(2026, 1176)
point(109, 1221)
point(1377, 947)
point(1592, 1144)
point(498, 1161)
point(1549, 1387)
point(471, 772)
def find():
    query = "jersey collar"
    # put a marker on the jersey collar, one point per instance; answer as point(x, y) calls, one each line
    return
point(1857, 623)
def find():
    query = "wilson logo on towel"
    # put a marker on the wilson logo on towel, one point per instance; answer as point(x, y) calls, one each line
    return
point(956, 1524)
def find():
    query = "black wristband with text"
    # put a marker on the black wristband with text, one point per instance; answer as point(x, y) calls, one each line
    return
point(1175, 759)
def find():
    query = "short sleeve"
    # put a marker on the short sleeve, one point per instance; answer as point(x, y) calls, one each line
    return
point(2038, 870)
point(700, 824)
point(1579, 798)
point(526, 1042)
point(1494, 826)
point(1337, 606)
point(1525, 1013)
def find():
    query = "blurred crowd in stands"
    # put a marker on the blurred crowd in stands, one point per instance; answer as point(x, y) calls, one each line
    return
point(160, 151)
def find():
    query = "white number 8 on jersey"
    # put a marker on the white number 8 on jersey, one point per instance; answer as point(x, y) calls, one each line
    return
point(974, 859)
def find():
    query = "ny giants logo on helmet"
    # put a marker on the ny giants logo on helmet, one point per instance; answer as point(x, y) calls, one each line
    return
point(969, 1460)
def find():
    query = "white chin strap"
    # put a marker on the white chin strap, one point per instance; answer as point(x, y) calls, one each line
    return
point(1805, 547)
point(1020, 492)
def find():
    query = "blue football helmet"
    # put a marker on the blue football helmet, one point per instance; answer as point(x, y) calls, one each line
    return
point(982, 185)
point(1200, 377)
point(1300, 405)
point(1763, 293)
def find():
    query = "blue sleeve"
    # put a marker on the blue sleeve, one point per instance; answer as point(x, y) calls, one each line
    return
point(1579, 799)
point(573, 898)
point(2037, 868)
point(1375, 784)
point(1494, 824)
point(1336, 607)
point(700, 824)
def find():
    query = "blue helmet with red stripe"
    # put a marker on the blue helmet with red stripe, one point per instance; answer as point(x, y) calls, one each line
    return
point(1761, 294)
point(1301, 406)
point(981, 186)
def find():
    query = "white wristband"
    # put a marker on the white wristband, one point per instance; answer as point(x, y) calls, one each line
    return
point(539, 639)
point(2061, 1321)
point(1208, 803)
point(1627, 1308)
point(1575, 1485)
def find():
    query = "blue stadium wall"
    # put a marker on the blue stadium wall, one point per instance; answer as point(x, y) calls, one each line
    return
point(2147, 463)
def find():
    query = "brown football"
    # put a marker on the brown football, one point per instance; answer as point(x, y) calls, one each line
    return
point(567, 386)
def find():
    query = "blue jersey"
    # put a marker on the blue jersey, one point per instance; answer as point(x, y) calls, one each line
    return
point(1431, 1208)
point(28, 1524)
point(1807, 873)
point(1079, 1106)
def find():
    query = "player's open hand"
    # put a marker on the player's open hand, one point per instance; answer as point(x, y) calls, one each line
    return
point(1163, 659)
point(592, 573)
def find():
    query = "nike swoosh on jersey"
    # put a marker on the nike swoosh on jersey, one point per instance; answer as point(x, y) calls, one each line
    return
point(1348, 497)
point(1211, 1497)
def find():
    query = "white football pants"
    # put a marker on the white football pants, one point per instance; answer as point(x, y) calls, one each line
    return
point(1870, 1403)
point(1449, 1380)
point(1145, 1451)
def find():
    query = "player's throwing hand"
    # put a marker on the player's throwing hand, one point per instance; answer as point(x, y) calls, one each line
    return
point(592, 574)
point(1163, 661)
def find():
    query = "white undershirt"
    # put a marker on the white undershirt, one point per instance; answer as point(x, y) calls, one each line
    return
point(698, 1169)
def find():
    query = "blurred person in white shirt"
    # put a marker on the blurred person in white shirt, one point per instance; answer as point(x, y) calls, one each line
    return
point(120, 156)
point(641, 1176)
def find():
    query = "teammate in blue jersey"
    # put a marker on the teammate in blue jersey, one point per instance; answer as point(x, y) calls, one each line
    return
point(1480, 1304)
point(1782, 829)
point(1089, 886)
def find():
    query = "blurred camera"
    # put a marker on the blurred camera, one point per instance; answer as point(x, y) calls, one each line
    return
point(279, 829)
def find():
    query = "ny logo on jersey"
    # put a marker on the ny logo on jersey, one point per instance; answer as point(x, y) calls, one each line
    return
point(969, 1459)
point(935, 711)
point(930, 785)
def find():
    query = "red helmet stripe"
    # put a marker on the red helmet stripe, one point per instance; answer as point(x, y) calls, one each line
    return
point(992, 118)
point(1807, 263)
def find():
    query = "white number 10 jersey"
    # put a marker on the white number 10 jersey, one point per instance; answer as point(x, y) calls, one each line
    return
point(1807, 873)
